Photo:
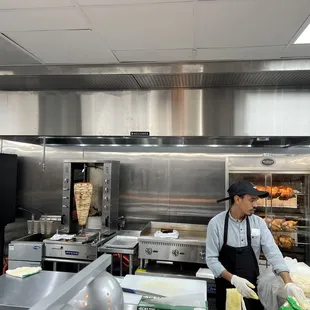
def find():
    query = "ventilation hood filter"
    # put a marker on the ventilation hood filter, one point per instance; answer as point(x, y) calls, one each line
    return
point(288, 73)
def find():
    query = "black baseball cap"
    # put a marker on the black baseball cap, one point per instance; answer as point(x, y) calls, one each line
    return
point(243, 188)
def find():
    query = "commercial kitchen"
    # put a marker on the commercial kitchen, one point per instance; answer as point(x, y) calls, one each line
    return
point(119, 134)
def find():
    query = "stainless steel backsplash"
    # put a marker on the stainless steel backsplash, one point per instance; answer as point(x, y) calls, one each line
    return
point(161, 186)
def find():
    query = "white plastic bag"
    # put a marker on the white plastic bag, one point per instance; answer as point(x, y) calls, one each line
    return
point(300, 274)
point(271, 287)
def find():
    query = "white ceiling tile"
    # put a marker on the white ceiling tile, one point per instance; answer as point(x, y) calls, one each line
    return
point(246, 53)
point(143, 27)
point(42, 19)
point(65, 47)
point(154, 55)
point(24, 4)
point(117, 2)
point(248, 23)
point(299, 51)
point(11, 55)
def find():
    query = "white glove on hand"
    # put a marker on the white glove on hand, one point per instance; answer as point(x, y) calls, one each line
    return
point(295, 291)
point(244, 287)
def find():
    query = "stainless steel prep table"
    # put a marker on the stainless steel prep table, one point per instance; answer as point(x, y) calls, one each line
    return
point(121, 251)
point(68, 290)
point(125, 242)
point(16, 293)
point(63, 294)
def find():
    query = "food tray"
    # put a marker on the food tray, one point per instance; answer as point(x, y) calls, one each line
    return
point(123, 242)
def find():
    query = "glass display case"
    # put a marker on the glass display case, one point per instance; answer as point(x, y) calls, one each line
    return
point(286, 210)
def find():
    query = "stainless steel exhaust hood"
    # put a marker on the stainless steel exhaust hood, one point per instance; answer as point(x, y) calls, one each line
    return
point(208, 142)
point(234, 104)
point(157, 76)
point(176, 117)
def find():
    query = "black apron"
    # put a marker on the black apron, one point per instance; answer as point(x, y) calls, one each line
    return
point(241, 262)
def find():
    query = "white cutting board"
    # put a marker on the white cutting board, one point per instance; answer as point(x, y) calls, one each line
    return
point(165, 286)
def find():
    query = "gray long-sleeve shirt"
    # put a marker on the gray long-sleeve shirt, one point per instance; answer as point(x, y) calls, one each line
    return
point(236, 237)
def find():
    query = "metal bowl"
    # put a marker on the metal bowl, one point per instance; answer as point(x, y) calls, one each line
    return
point(105, 293)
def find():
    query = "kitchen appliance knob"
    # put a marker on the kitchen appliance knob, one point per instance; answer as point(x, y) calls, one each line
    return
point(106, 181)
point(106, 190)
point(106, 198)
point(105, 207)
point(175, 252)
point(202, 255)
point(148, 251)
point(65, 184)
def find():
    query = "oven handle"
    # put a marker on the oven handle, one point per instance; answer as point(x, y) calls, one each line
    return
point(57, 248)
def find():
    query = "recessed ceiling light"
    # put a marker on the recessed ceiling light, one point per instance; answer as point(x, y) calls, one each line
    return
point(262, 139)
point(304, 38)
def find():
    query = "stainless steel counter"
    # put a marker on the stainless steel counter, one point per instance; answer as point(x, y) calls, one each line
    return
point(68, 290)
point(104, 249)
point(125, 242)
point(121, 251)
point(24, 293)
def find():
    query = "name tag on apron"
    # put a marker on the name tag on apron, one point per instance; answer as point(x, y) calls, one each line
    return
point(255, 232)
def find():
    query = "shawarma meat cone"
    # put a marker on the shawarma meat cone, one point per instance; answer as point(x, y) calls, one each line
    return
point(83, 194)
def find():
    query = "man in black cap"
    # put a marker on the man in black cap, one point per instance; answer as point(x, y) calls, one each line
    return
point(234, 242)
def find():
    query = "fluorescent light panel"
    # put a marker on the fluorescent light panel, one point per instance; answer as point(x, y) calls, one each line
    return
point(304, 38)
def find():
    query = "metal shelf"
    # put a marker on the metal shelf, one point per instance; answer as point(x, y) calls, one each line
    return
point(298, 232)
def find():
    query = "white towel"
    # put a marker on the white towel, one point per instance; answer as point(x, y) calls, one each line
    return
point(172, 235)
point(23, 272)
point(57, 237)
